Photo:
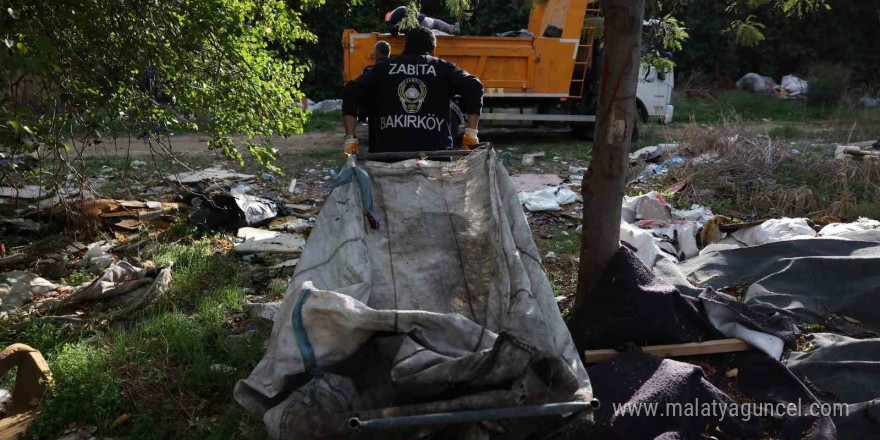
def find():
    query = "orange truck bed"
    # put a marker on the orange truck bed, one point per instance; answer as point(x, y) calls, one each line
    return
point(538, 67)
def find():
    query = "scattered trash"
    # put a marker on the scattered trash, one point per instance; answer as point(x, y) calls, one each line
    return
point(650, 206)
point(645, 154)
point(327, 105)
point(262, 310)
point(289, 224)
point(292, 188)
point(18, 288)
point(261, 240)
point(97, 258)
point(863, 229)
point(534, 182)
point(775, 230)
point(551, 257)
point(21, 224)
point(209, 174)
point(29, 192)
point(548, 199)
point(136, 164)
point(756, 83)
point(793, 85)
point(286, 264)
point(868, 102)
point(269, 177)
point(529, 159)
point(855, 152)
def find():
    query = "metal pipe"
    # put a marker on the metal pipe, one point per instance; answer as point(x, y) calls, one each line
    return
point(403, 155)
point(472, 416)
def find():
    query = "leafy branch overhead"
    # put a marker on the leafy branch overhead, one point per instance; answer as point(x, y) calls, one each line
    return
point(83, 69)
point(411, 18)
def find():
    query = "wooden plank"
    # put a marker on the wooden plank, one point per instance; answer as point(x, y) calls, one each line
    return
point(13, 426)
point(675, 350)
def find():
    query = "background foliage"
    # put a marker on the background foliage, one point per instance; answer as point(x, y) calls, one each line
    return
point(76, 70)
point(792, 43)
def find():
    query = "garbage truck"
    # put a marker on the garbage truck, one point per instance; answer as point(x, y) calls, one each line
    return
point(548, 76)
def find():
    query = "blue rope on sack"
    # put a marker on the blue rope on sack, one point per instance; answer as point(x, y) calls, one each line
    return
point(366, 186)
point(302, 337)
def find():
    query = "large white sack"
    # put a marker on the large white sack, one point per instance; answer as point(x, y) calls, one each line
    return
point(863, 229)
point(778, 229)
point(431, 269)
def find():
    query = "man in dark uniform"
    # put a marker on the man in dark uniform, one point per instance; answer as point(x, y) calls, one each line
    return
point(381, 52)
point(393, 18)
point(412, 93)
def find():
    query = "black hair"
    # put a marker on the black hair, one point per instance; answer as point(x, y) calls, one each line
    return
point(382, 49)
point(420, 40)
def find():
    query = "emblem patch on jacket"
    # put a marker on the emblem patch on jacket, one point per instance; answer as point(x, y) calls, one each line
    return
point(412, 92)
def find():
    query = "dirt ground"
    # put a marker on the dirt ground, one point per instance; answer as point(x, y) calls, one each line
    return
point(195, 145)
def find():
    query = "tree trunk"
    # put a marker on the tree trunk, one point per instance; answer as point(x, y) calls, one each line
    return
point(604, 182)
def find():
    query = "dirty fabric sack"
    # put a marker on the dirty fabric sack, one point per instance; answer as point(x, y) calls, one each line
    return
point(641, 382)
point(631, 304)
point(437, 257)
point(804, 279)
point(845, 370)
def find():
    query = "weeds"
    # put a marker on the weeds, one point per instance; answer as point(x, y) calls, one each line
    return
point(77, 277)
point(173, 369)
point(320, 122)
point(740, 174)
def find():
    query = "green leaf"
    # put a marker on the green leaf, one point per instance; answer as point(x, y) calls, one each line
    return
point(15, 125)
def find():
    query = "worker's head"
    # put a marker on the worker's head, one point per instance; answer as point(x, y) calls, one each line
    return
point(381, 50)
point(420, 40)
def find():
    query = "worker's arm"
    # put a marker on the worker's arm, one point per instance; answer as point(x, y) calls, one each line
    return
point(352, 95)
point(470, 89)
point(473, 121)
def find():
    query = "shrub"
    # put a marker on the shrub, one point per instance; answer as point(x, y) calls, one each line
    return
point(827, 83)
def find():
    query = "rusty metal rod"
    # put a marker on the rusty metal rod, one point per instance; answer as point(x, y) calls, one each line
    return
point(403, 155)
point(549, 409)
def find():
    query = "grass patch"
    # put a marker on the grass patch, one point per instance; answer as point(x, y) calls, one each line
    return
point(749, 106)
point(322, 122)
point(77, 277)
point(565, 242)
point(172, 370)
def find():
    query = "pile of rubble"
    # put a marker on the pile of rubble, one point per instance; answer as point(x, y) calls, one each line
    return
point(270, 232)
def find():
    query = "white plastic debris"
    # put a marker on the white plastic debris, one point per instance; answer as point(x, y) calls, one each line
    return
point(327, 105)
point(649, 206)
point(775, 230)
point(529, 159)
point(263, 310)
point(697, 213)
point(18, 288)
point(261, 240)
point(534, 182)
point(646, 154)
point(214, 173)
point(551, 257)
point(548, 199)
point(756, 83)
point(641, 240)
point(292, 188)
point(135, 164)
point(97, 258)
point(794, 85)
point(863, 229)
